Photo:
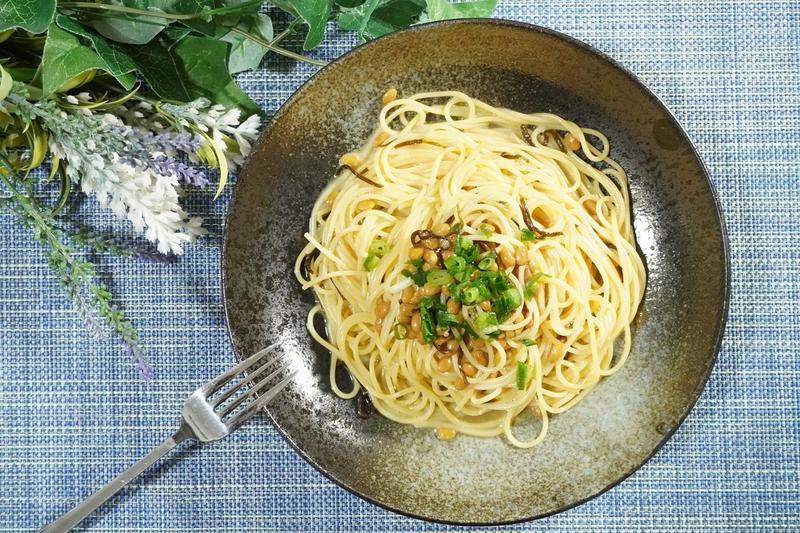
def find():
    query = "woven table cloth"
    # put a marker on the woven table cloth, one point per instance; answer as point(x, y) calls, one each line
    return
point(74, 413)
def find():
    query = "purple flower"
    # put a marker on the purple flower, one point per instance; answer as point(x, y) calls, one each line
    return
point(139, 362)
point(97, 328)
point(169, 166)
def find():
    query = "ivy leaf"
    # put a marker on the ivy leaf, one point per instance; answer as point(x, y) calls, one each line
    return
point(203, 67)
point(246, 54)
point(315, 13)
point(32, 15)
point(188, 69)
point(137, 29)
point(117, 62)
point(379, 17)
point(202, 63)
point(349, 3)
point(443, 10)
point(64, 57)
point(356, 18)
point(160, 69)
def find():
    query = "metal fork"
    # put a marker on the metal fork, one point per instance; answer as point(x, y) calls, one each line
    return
point(210, 413)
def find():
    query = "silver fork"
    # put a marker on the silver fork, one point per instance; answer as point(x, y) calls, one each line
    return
point(210, 413)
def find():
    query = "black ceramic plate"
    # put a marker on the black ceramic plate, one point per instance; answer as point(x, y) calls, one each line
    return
point(678, 228)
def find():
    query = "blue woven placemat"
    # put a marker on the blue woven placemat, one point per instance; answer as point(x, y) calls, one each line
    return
point(73, 413)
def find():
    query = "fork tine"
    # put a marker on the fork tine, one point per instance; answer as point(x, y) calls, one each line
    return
point(253, 390)
point(244, 381)
point(242, 417)
point(214, 385)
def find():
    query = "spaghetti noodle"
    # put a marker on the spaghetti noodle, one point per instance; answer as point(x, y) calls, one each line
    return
point(473, 262)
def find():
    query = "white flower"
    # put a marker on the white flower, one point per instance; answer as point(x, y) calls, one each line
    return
point(147, 199)
point(216, 120)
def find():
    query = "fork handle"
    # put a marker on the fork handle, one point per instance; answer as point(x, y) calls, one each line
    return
point(72, 518)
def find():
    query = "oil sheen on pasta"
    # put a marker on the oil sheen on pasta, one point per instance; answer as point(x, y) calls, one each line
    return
point(473, 263)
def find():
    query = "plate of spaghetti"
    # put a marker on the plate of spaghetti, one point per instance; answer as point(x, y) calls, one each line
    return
point(497, 262)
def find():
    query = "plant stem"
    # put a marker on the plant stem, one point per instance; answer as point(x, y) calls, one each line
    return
point(271, 45)
point(277, 49)
point(147, 13)
point(24, 201)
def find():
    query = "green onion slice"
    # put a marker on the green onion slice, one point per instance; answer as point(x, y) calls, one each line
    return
point(400, 331)
point(523, 371)
point(371, 262)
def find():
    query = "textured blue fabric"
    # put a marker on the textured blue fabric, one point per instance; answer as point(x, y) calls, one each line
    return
point(73, 413)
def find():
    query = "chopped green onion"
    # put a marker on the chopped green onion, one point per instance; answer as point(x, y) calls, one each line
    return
point(465, 248)
point(528, 235)
point(429, 301)
point(455, 264)
point(417, 262)
point(486, 230)
point(428, 326)
point(523, 371)
point(486, 323)
point(469, 331)
point(497, 282)
point(379, 247)
point(458, 268)
point(504, 304)
point(487, 262)
point(512, 298)
point(371, 262)
point(531, 285)
point(470, 295)
point(419, 277)
point(439, 277)
point(525, 341)
point(456, 227)
point(400, 331)
point(445, 319)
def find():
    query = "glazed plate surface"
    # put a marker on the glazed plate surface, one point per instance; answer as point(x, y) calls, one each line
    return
point(678, 227)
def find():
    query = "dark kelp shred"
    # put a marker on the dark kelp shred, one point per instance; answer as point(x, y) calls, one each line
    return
point(305, 265)
point(553, 134)
point(526, 133)
point(528, 222)
point(364, 407)
point(420, 235)
point(357, 174)
point(409, 143)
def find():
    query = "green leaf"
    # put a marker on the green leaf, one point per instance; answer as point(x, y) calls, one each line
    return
point(393, 15)
point(443, 10)
point(201, 62)
point(203, 68)
point(191, 68)
point(232, 95)
point(379, 17)
point(135, 29)
point(356, 18)
point(315, 13)
point(159, 68)
point(6, 81)
point(31, 15)
point(23, 74)
point(64, 57)
point(349, 3)
point(246, 54)
point(117, 63)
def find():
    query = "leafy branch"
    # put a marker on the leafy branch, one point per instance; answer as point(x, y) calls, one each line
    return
point(125, 100)
point(75, 275)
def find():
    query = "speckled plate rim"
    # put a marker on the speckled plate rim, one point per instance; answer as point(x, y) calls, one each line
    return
point(720, 326)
